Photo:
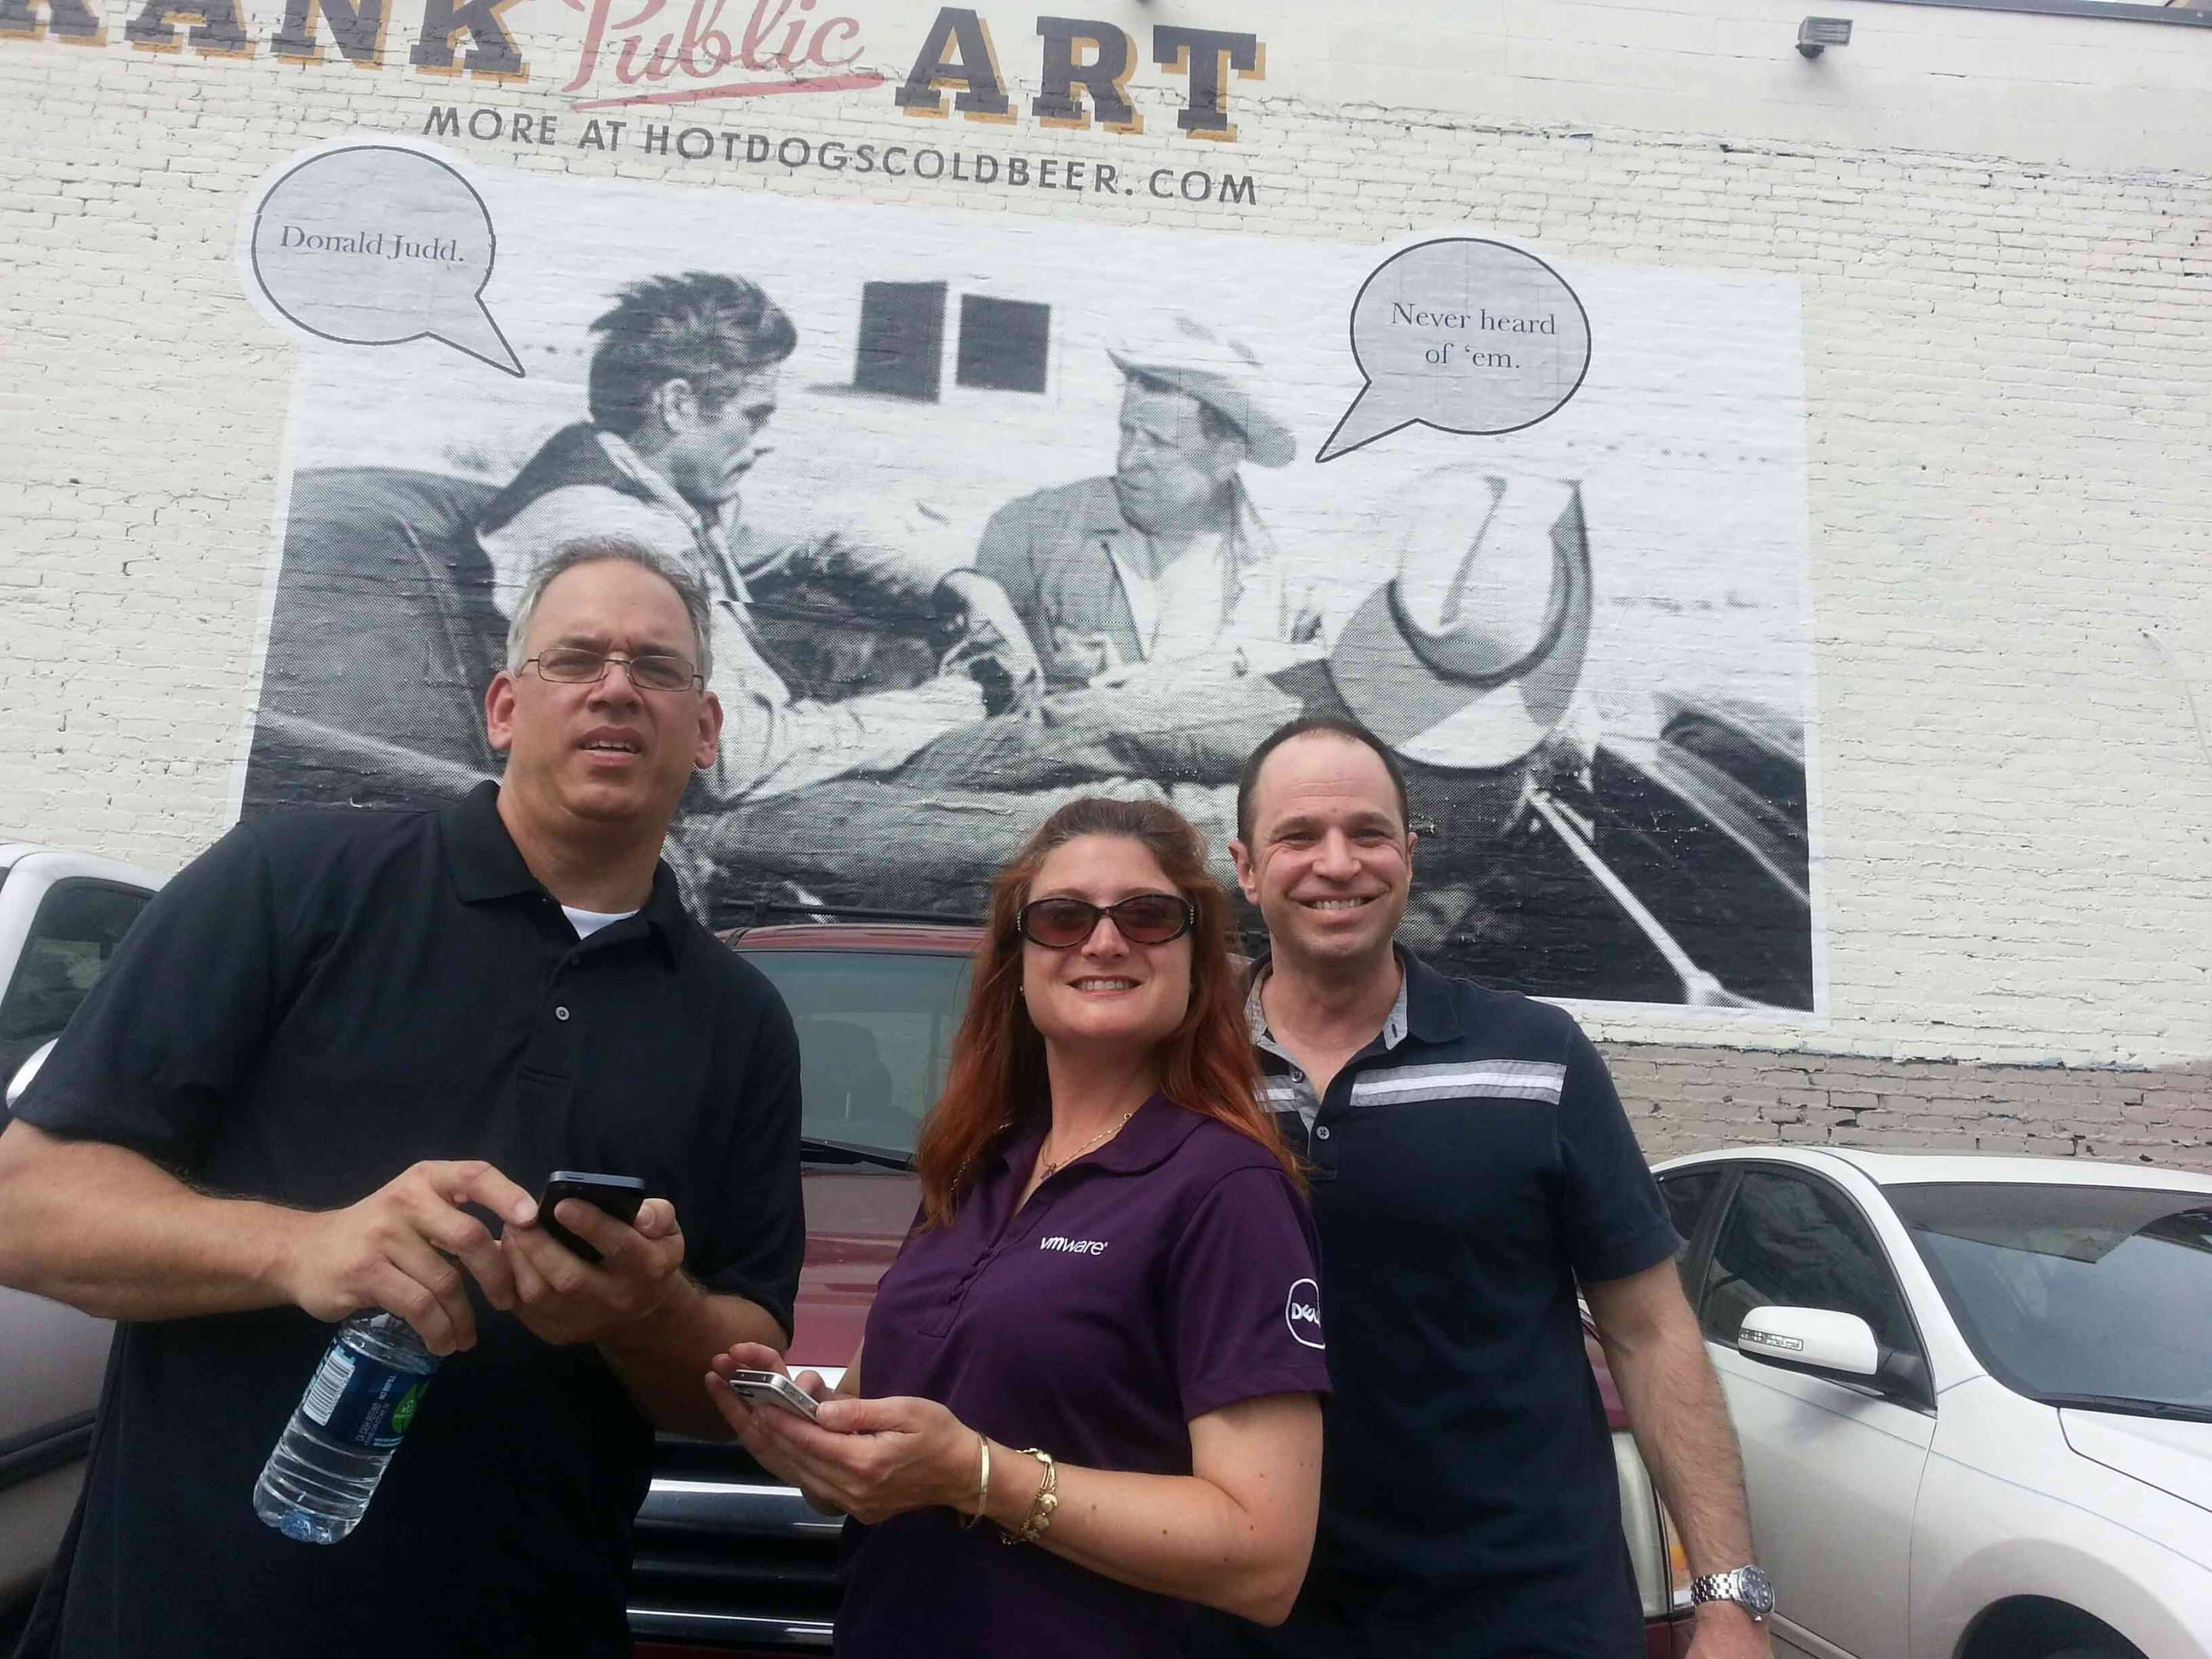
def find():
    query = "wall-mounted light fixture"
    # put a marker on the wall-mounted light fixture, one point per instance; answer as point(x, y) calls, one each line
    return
point(1816, 35)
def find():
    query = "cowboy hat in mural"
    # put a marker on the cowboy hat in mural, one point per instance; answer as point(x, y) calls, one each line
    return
point(1468, 657)
point(1221, 371)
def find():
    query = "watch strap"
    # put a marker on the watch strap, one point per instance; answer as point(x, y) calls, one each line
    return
point(1748, 1587)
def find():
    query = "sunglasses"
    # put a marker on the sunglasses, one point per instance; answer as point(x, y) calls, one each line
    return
point(1062, 924)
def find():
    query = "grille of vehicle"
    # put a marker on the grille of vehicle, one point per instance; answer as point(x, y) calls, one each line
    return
point(726, 1553)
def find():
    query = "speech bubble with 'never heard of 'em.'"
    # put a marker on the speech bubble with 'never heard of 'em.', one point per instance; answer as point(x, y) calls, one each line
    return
point(1465, 336)
point(374, 244)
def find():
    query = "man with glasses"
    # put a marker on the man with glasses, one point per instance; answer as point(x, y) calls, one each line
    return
point(325, 1072)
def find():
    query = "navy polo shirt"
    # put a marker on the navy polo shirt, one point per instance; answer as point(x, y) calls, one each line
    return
point(1468, 1166)
point(1162, 1276)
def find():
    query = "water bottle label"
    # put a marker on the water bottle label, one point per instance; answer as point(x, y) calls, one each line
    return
point(355, 1398)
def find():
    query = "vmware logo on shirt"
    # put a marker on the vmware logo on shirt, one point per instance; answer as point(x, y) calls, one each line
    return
point(1073, 1246)
point(1302, 1313)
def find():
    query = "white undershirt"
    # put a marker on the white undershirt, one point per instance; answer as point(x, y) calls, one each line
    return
point(588, 922)
point(1179, 612)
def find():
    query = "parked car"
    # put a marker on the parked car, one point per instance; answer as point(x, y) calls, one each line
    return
point(1974, 1396)
point(62, 915)
point(729, 1559)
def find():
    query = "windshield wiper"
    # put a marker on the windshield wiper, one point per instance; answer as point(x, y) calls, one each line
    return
point(847, 1151)
point(2130, 1406)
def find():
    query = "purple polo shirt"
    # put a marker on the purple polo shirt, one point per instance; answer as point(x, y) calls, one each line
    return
point(1166, 1275)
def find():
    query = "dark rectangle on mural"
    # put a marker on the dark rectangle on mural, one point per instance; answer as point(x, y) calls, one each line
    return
point(1005, 345)
point(901, 340)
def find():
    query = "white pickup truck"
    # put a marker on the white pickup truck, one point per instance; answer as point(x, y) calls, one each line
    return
point(62, 915)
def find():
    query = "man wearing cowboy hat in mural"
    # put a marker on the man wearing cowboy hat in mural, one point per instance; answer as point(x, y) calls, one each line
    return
point(1166, 560)
point(1468, 660)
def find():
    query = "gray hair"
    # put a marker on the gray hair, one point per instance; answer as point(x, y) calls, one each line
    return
point(593, 550)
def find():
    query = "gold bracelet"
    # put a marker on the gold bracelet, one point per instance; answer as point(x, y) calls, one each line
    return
point(1042, 1505)
point(983, 1481)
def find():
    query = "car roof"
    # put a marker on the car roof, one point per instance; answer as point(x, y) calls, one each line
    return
point(1907, 1166)
point(892, 938)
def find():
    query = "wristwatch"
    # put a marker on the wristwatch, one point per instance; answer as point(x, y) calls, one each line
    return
point(1749, 1588)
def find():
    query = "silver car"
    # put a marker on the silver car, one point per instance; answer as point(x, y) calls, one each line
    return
point(62, 914)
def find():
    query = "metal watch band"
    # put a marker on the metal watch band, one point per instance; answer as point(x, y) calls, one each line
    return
point(1748, 1587)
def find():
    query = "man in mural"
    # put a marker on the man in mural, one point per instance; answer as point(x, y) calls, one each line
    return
point(682, 381)
point(395, 584)
point(1469, 659)
point(1166, 560)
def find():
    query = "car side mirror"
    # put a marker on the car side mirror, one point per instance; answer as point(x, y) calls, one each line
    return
point(1819, 1340)
point(27, 1070)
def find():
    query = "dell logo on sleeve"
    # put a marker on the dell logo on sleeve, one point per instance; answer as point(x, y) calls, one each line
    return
point(1302, 1313)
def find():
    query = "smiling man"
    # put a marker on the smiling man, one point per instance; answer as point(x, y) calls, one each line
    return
point(1471, 1167)
point(325, 1072)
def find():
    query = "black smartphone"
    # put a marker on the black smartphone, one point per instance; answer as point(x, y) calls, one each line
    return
point(619, 1197)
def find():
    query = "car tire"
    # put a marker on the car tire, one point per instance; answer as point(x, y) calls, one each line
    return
point(2094, 1653)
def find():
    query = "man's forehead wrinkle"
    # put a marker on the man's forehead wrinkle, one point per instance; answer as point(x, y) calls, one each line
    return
point(599, 639)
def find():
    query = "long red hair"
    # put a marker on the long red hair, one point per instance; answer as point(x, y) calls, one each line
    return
point(997, 1077)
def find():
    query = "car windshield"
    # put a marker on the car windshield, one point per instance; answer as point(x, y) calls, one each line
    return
point(2075, 1294)
point(875, 1031)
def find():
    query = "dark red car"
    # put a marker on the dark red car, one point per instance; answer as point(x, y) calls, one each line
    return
point(729, 1561)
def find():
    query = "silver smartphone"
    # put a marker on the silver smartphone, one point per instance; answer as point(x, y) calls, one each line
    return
point(775, 1388)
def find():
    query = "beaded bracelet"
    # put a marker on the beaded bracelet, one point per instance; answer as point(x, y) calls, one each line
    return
point(1042, 1505)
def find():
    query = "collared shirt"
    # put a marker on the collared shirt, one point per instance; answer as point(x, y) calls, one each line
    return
point(1468, 1166)
point(1164, 1276)
point(319, 1002)
point(1073, 567)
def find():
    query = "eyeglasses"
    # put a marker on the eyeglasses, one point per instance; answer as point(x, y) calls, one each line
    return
point(572, 665)
point(1062, 924)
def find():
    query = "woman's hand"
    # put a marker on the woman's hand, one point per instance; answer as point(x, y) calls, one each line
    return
point(744, 1417)
point(873, 1459)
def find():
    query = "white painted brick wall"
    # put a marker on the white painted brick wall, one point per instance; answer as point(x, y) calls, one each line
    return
point(2003, 225)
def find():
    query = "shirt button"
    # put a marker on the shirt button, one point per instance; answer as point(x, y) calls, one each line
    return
point(1321, 1133)
point(560, 1013)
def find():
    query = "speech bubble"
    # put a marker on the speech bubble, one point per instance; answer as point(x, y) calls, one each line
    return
point(374, 244)
point(1463, 335)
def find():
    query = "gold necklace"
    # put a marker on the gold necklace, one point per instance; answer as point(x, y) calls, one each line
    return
point(1047, 1168)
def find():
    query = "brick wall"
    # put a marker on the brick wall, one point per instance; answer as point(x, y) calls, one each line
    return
point(2002, 225)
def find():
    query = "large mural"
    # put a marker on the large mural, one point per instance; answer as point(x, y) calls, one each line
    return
point(998, 508)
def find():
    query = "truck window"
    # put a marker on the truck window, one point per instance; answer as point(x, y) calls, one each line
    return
point(78, 926)
point(875, 1032)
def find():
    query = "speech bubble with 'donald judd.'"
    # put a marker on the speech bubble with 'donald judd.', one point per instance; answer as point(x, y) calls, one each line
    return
point(379, 245)
point(1463, 335)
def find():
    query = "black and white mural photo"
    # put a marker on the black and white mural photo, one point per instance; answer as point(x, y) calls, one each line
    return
point(996, 509)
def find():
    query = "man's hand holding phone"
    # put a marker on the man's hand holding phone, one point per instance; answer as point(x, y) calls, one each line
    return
point(564, 1299)
point(405, 1248)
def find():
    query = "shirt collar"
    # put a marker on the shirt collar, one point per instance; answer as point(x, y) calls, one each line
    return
point(711, 533)
point(1424, 1006)
point(487, 866)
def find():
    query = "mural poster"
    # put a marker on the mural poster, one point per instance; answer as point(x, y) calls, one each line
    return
point(995, 508)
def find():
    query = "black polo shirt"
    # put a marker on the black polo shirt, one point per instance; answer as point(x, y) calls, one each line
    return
point(319, 1002)
point(1468, 1167)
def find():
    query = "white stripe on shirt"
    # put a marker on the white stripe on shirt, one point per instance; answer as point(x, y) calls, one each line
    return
point(1528, 1079)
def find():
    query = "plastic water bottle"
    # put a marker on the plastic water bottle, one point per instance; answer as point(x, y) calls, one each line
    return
point(320, 1479)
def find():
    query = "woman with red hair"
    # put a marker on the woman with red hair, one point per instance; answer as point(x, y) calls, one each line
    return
point(1102, 1341)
